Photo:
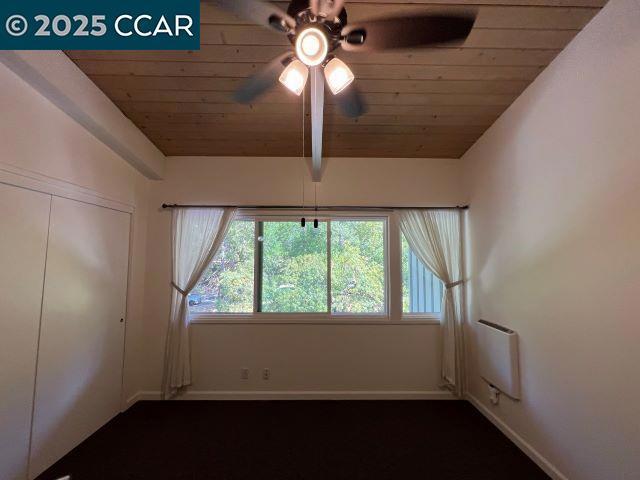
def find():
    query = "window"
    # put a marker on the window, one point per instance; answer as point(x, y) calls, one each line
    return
point(294, 267)
point(227, 285)
point(421, 290)
point(357, 267)
point(277, 266)
point(270, 265)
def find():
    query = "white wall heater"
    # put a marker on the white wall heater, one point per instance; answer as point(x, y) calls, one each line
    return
point(498, 357)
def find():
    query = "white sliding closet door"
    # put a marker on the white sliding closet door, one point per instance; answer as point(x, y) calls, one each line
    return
point(79, 376)
point(24, 219)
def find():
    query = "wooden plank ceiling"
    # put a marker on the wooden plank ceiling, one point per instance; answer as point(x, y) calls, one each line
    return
point(421, 103)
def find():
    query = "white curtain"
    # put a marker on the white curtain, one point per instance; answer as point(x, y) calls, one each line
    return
point(196, 236)
point(435, 238)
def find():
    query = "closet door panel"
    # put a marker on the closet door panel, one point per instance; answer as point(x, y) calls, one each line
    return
point(78, 386)
point(24, 220)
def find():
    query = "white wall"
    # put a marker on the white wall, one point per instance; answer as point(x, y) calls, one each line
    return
point(316, 360)
point(54, 76)
point(37, 140)
point(555, 250)
point(302, 358)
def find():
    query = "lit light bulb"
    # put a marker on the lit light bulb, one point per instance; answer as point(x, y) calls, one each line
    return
point(338, 75)
point(294, 77)
point(312, 46)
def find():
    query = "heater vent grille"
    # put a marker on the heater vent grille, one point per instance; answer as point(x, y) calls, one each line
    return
point(498, 357)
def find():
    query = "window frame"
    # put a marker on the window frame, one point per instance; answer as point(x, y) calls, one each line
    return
point(392, 314)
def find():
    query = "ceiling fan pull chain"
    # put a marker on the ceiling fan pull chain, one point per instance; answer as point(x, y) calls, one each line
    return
point(315, 221)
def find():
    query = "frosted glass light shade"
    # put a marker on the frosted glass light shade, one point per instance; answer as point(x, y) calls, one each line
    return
point(338, 75)
point(294, 77)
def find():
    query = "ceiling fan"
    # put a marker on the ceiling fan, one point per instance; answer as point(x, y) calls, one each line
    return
point(316, 29)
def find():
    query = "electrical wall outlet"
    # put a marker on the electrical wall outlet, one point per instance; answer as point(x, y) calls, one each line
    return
point(266, 374)
point(244, 374)
point(494, 395)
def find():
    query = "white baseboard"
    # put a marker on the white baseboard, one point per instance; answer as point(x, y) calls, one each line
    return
point(520, 442)
point(295, 395)
point(143, 395)
point(315, 395)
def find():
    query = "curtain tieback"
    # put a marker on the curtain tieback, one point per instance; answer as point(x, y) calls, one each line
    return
point(449, 286)
point(180, 291)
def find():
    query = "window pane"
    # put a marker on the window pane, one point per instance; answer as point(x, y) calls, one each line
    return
point(357, 266)
point(294, 267)
point(227, 285)
point(421, 289)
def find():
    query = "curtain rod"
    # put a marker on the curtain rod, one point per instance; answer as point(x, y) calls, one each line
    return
point(313, 209)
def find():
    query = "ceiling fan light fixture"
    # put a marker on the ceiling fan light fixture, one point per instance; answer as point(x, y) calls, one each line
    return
point(295, 76)
point(312, 46)
point(339, 76)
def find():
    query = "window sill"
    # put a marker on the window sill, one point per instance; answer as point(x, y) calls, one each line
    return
point(413, 317)
point(311, 319)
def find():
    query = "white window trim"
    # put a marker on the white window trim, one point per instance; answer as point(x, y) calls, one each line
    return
point(393, 314)
point(413, 317)
point(307, 319)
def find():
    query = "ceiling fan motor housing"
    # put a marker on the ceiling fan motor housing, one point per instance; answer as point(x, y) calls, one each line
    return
point(301, 12)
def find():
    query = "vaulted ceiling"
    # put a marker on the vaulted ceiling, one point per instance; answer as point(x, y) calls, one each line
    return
point(421, 103)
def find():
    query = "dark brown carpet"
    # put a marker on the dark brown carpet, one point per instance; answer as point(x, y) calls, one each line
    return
point(312, 440)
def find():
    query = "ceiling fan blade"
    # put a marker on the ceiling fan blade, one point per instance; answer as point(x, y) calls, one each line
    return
point(407, 32)
point(263, 80)
point(326, 8)
point(262, 13)
point(335, 10)
point(315, 7)
point(350, 102)
point(317, 118)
